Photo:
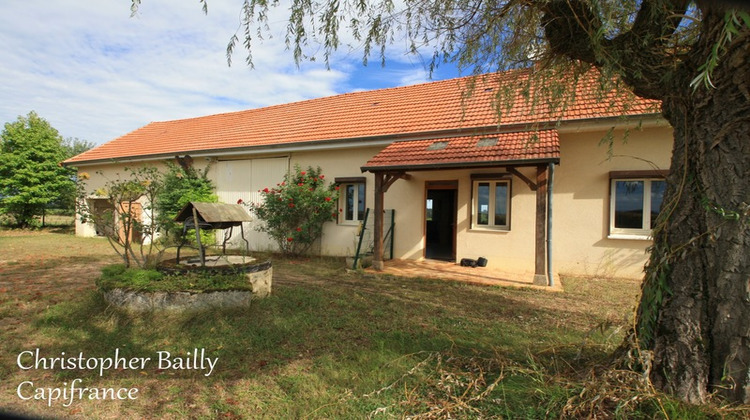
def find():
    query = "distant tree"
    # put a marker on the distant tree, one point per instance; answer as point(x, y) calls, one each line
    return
point(31, 176)
point(72, 147)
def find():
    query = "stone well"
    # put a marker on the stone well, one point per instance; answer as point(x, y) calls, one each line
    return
point(259, 275)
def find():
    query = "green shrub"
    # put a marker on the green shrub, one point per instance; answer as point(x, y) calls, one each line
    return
point(181, 185)
point(294, 212)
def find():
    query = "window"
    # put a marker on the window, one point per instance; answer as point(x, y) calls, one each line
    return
point(352, 199)
point(635, 205)
point(491, 204)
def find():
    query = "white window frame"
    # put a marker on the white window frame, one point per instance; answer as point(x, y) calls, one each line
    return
point(343, 185)
point(645, 231)
point(492, 200)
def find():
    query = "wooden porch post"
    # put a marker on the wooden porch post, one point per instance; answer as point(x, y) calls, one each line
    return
point(540, 274)
point(383, 181)
point(377, 259)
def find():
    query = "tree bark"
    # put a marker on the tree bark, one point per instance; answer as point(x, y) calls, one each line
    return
point(694, 314)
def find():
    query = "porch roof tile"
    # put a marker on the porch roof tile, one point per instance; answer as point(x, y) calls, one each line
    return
point(509, 148)
point(393, 113)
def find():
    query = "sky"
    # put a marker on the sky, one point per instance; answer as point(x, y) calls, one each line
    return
point(95, 73)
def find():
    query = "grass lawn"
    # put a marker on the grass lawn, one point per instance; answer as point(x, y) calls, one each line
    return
point(327, 344)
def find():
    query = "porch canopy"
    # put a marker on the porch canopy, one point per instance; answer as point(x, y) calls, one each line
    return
point(509, 150)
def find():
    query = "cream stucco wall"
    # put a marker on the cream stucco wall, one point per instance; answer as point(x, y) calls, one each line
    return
point(581, 243)
point(511, 250)
point(340, 238)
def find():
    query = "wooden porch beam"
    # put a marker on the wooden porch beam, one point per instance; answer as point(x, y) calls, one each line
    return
point(532, 185)
point(391, 177)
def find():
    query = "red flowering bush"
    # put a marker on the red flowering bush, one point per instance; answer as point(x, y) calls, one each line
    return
point(294, 212)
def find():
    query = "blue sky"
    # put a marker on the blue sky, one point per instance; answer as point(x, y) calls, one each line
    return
point(96, 73)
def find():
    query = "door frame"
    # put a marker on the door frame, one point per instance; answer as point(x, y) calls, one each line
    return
point(451, 185)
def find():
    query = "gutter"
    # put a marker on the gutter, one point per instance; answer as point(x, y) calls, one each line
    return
point(461, 165)
point(598, 124)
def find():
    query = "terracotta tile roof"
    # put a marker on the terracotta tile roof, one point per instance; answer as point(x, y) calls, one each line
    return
point(543, 145)
point(425, 108)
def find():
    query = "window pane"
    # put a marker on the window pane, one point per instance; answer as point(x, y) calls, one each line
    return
point(501, 204)
point(483, 203)
point(657, 198)
point(360, 201)
point(349, 198)
point(629, 204)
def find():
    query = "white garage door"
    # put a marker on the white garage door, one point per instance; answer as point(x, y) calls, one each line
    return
point(243, 179)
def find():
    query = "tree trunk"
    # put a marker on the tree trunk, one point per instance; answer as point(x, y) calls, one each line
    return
point(694, 314)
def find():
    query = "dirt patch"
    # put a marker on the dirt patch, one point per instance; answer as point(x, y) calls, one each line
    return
point(59, 277)
point(42, 265)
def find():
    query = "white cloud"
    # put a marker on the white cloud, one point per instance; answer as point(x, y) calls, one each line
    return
point(96, 73)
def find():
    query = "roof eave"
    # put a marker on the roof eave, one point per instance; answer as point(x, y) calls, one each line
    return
point(637, 120)
point(460, 165)
point(328, 144)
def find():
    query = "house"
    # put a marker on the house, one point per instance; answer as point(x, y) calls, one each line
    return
point(536, 189)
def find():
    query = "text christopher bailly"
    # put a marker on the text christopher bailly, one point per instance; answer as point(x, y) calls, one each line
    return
point(74, 390)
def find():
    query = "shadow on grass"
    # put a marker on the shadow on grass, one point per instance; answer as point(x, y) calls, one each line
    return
point(61, 229)
point(88, 326)
point(331, 344)
point(337, 320)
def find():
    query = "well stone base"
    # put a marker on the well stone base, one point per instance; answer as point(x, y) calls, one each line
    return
point(260, 277)
point(137, 301)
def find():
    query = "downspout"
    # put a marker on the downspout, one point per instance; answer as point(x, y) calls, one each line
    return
point(550, 180)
